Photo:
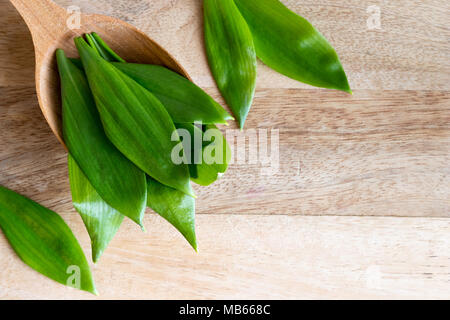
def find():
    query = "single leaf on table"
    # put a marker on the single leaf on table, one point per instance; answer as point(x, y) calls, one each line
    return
point(42, 239)
point(174, 206)
point(101, 220)
point(209, 155)
point(289, 44)
point(185, 102)
point(231, 55)
point(117, 180)
point(135, 121)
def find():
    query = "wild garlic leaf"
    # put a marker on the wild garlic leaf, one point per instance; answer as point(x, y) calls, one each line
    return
point(216, 156)
point(135, 121)
point(174, 206)
point(104, 50)
point(101, 220)
point(185, 102)
point(209, 155)
point(182, 99)
point(42, 239)
point(117, 180)
point(289, 44)
point(231, 55)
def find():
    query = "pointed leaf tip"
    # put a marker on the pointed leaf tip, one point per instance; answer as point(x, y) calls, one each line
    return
point(183, 100)
point(289, 44)
point(102, 221)
point(176, 207)
point(231, 55)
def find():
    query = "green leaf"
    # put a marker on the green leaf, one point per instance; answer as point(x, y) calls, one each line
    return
point(42, 239)
point(101, 220)
point(185, 102)
point(192, 143)
point(102, 48)
point(182, 99)
point(94, 46)
point(216, 156)
point(76, 62)
point(134, 120)
point(290, 45)
point(174, 206)
point(208, 152)
point(231, 55)
point(117, 180)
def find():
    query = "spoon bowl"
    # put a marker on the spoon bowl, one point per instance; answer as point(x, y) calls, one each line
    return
point(53, 27)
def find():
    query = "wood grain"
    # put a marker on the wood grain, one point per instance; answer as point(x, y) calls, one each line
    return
point(316, 228)
point(366, 155)
point(409, 52)
point(270, 257)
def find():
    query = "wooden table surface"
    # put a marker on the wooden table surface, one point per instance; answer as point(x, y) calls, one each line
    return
point(360, 205)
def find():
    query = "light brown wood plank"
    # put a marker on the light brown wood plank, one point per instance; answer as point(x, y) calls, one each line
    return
point(258, 257)
point(16, 49)
point(376, 153)
point(410, 52)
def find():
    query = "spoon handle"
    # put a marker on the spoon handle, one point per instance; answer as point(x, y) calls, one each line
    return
point(44, 19)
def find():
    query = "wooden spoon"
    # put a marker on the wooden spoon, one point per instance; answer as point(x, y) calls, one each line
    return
point(52, 27)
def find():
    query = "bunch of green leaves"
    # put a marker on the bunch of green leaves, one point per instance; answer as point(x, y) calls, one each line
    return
point(122, 122)
point(238, 31)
